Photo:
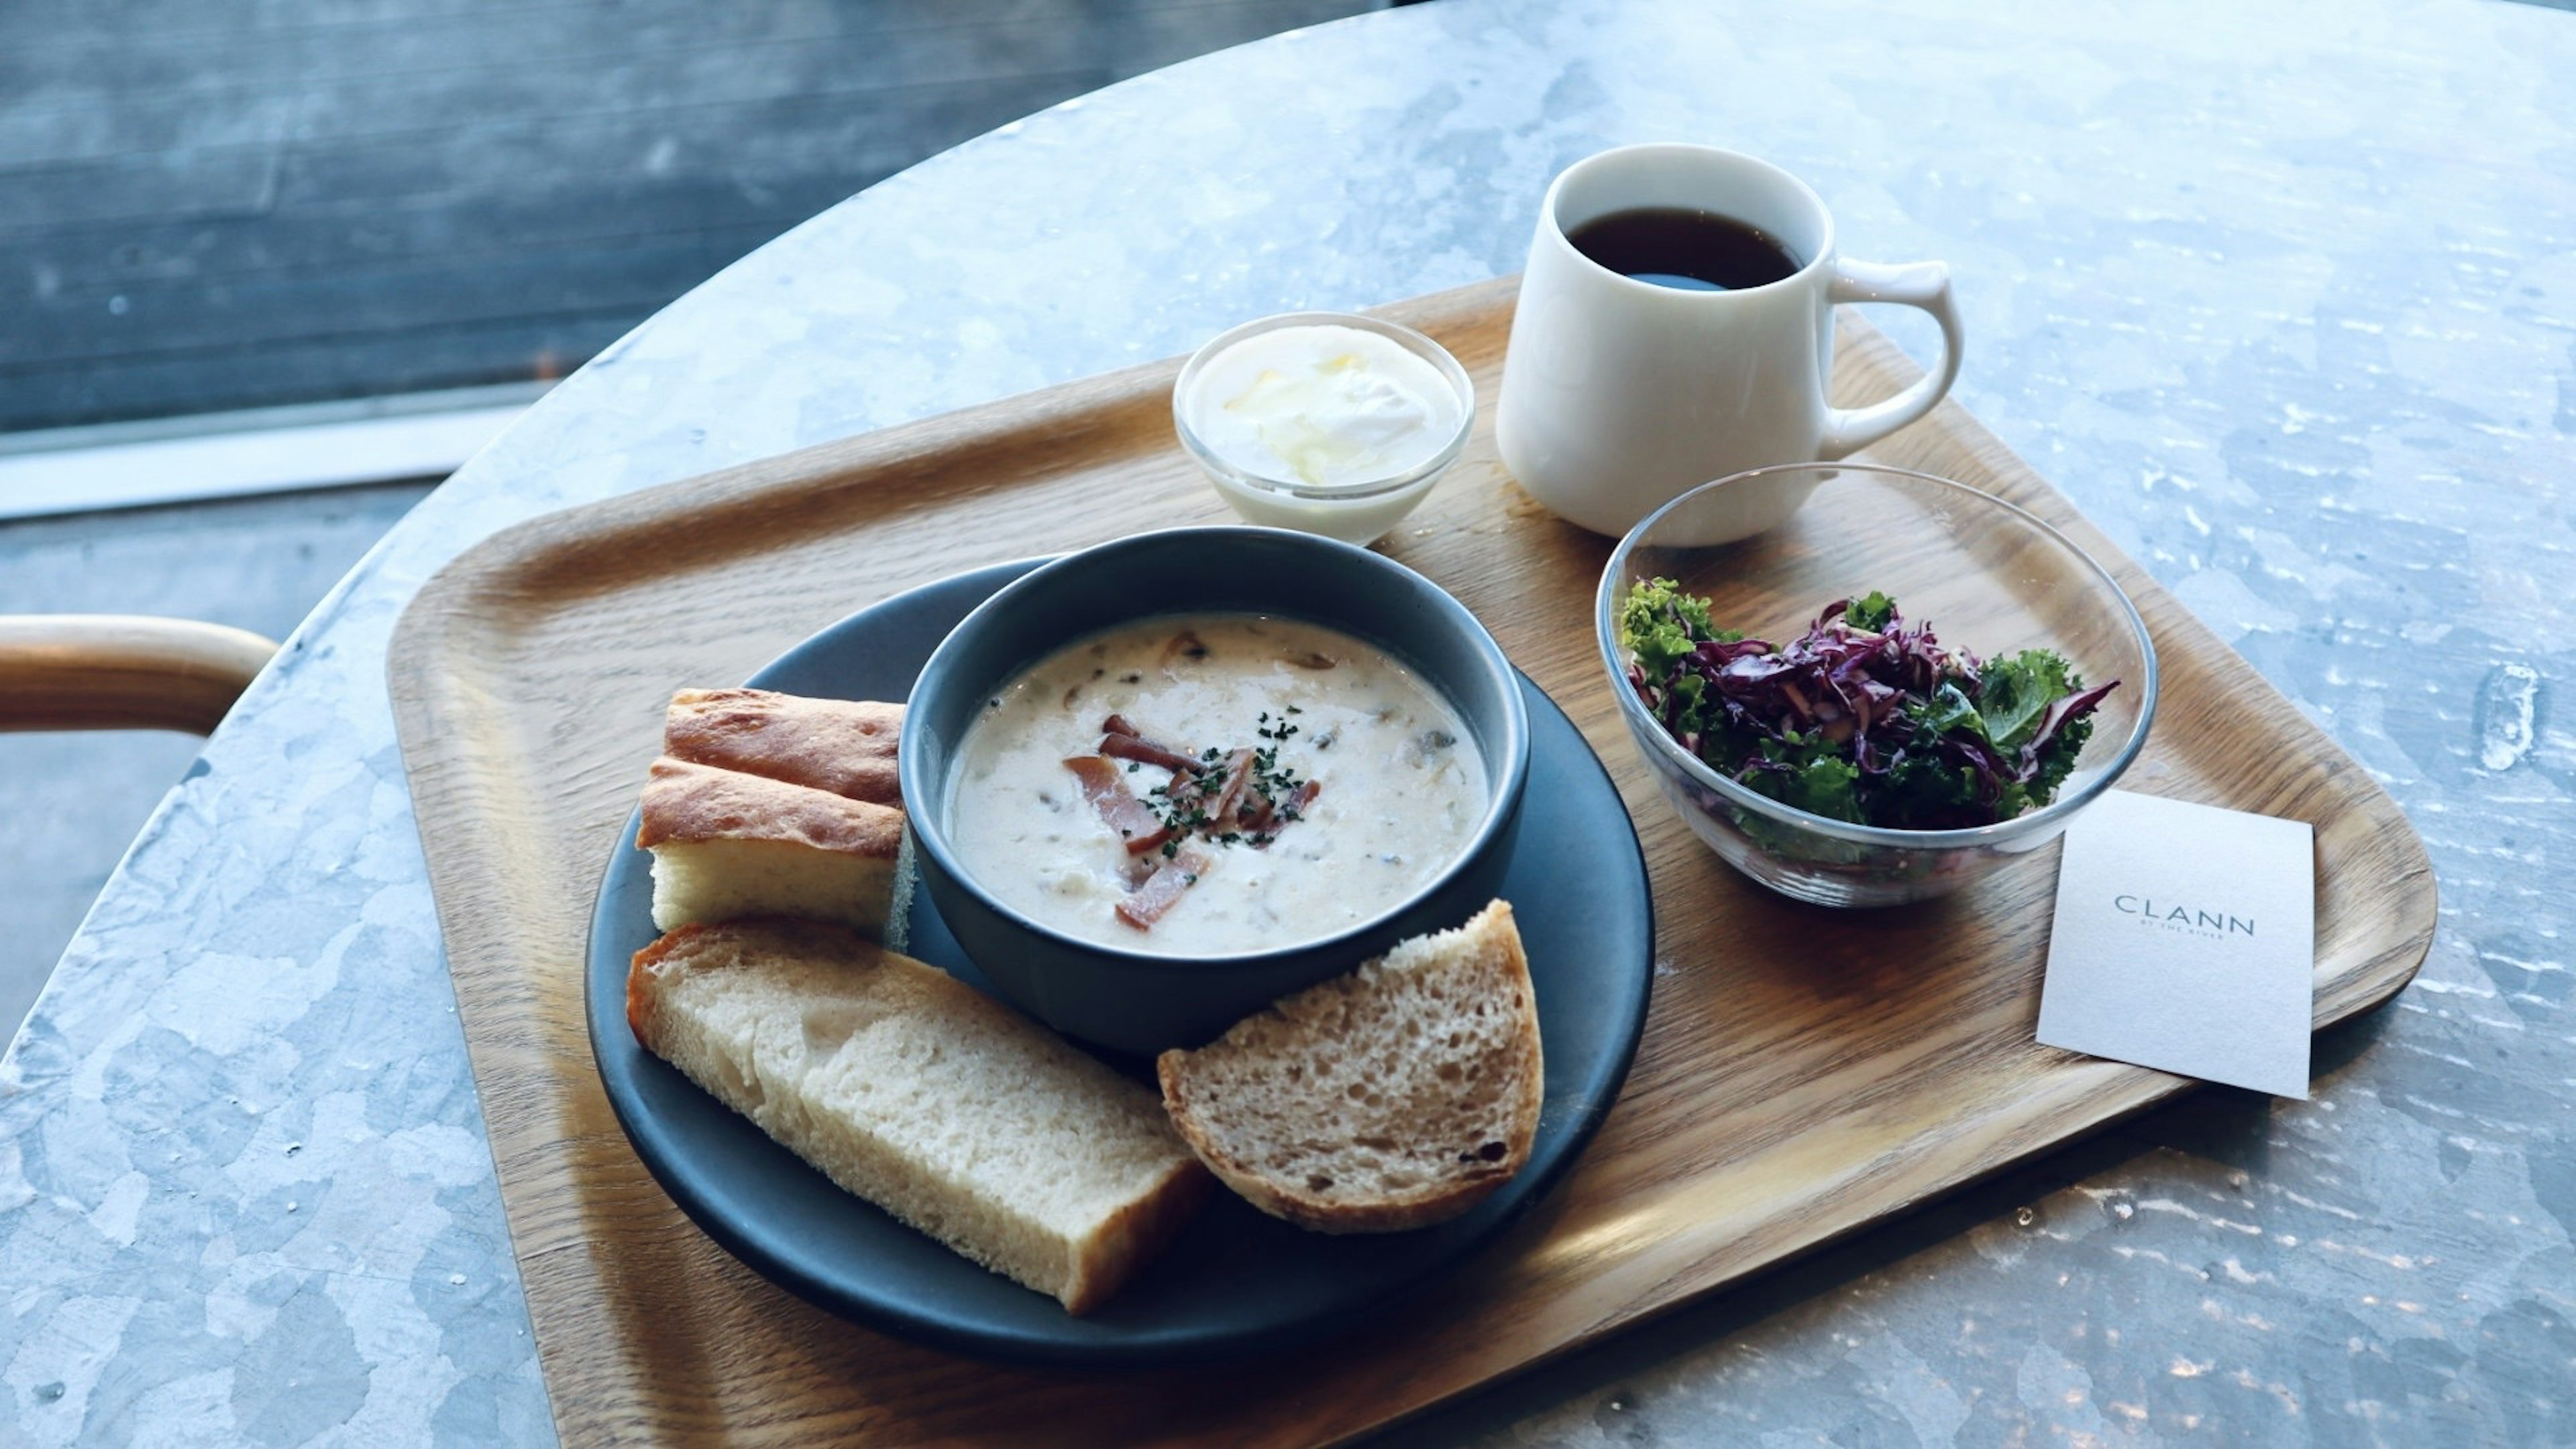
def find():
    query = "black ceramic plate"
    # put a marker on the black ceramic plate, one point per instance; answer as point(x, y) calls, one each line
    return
point(1236, 1280)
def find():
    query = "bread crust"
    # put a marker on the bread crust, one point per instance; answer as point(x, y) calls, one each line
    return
point(845, 747)
point(643, 996)
point(686, 802)
point(1394, 1212)
point(1135, 1233)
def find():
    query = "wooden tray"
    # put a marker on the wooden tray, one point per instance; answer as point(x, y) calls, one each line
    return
point(1803, 1072)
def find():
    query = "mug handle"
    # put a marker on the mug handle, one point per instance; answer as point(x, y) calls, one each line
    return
point(1912, 284)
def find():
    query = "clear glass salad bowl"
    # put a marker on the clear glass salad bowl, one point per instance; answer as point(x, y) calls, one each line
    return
point(1772, 548)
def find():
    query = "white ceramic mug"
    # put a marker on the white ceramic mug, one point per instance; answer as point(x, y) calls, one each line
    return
point(1621, 395)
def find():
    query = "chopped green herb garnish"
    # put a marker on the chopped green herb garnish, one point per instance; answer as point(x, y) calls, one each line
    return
point(1266, 793)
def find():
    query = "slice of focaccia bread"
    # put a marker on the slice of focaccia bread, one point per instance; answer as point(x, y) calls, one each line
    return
point(1397, 1096)
point(726, 844)
point(844, 746)
point(924, 1096)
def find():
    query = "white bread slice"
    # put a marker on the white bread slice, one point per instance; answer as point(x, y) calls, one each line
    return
point(924, 1096)
point(726, 845)
point(844, 746)
point(1397, 1096)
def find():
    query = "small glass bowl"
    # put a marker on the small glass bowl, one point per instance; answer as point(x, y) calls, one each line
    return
point(1359, 513)
point(1989, 578)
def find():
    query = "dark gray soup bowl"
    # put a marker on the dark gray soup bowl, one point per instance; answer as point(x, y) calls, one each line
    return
point(1137, 1001)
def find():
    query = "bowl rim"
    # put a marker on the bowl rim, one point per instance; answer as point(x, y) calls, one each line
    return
point(2047, 819)
point(1368, 490)
point(1506, 777)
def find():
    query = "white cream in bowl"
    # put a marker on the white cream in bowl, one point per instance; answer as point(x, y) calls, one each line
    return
point(1324, 422)
point(1324, 405)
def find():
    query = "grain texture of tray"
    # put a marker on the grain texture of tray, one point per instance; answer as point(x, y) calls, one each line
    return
point(1803, 1072)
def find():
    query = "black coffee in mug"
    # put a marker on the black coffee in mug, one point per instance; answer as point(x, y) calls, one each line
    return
point(1684, 248)
point(1619, 394)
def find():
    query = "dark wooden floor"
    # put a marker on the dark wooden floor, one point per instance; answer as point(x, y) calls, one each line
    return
point(216, 204)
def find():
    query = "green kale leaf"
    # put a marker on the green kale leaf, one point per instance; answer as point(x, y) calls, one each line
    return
point(2057, 758)
point(1827, 786)
point(2016, 691)
point(1660, 624)
point(1948, 709)
point(1819, 777)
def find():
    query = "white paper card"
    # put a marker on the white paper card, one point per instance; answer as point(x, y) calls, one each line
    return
point(2185, 940)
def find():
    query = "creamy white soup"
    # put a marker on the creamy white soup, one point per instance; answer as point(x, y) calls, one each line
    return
point(1213, 784)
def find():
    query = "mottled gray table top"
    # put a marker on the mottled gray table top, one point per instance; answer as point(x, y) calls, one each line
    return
point(2285, 300)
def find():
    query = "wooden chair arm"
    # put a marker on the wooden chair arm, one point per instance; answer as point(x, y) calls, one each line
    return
point(122, 671)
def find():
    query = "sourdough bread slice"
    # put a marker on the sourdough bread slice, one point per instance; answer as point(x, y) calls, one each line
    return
point(1397, 1096)
point(924, 1096)
point(728, 845)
